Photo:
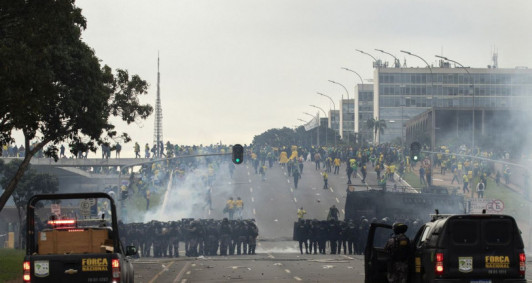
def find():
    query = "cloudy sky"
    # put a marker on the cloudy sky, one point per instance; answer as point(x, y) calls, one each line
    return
point(231, 69)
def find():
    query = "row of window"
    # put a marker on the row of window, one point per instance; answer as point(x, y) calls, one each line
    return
point(390, 101)
point(488, 90)
point(465, 78)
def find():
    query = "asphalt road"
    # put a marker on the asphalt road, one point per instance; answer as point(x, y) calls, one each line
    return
point(273, 203)
point(267, 267)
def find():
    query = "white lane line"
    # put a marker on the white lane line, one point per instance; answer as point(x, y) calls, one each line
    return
point(209, 212)
point(249, 180)
point(188, 272)
point(291, 190)
point(337, 200)
point(251, 190)
point(254, 211)
point(248, 173)
point(252, 199)
point(287, 271)
point(184, 281)
point(295, 200)
point(331, 189)
point(297, 278)
point(288, 181)
point(343, 211)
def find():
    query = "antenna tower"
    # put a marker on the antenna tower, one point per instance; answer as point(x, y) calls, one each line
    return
point(158, 128)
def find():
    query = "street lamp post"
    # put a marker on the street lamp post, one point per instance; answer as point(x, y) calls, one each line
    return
point(347, 102)
point(318, 130)
point(396, 63)
point(319, 124)
point(334, 111)
point(472, 89)
point(355, 99)
point(375, 63)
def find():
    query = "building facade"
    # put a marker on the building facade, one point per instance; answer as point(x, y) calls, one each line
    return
point(364, 112)
point(403, 93)
point(347, 119)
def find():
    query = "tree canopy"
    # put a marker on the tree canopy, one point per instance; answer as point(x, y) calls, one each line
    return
point(52, 84)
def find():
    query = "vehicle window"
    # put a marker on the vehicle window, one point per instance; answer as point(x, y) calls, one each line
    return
point(426, 232)
point(498, 232)
point(464, 231)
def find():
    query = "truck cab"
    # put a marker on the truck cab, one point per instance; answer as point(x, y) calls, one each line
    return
point(75, 238)
point(476, 248)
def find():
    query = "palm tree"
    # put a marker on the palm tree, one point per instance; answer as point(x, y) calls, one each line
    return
point(376, 126)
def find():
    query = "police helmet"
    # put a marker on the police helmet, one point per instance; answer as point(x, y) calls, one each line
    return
point(399, 228)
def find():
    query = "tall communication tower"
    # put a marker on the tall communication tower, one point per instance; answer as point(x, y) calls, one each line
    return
point(158, 128)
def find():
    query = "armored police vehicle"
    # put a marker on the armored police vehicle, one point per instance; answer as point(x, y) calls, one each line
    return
point(74, 238)
point(476, 248)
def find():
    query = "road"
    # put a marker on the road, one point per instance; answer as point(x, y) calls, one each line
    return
point(273, 203)
point(267, 267)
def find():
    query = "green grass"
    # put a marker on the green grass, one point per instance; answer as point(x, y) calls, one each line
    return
point(11, 264)
point(413, 180)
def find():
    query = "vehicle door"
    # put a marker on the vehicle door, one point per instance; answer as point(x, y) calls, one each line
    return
point(376, 258)
point(419, 249)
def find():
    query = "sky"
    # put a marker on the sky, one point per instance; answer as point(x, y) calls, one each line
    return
point(232, 69)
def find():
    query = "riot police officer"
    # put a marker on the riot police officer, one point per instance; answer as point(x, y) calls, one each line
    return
point(398, 246)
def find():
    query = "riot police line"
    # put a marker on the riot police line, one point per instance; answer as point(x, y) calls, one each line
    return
point(201, 237)
point(332, 236)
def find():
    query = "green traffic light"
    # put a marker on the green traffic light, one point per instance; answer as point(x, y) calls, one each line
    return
point(237, 160)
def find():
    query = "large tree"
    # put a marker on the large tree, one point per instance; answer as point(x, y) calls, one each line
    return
point(52, 85)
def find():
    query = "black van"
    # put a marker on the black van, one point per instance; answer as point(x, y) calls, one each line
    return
point(480, 248)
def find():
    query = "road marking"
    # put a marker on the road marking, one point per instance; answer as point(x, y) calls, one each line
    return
point(331, 190)
point(161, 272)
point(297, 278)
point(287, 271)
point(251, 190)
point(254, 211)
point(209, 212)
point(295, 200)
point(188, 272)
point(338, 201)
point(249, 180)
point(252, 199)
point(291, 190)
point(288, 181)
point(343, 211)
point(184, 281)
point(248, 174)
point(181, 273)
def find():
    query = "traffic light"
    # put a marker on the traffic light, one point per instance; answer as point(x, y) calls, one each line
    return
point(238, 154)
point(415, 151)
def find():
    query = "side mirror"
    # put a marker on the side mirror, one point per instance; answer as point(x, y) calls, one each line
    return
point(131, 250)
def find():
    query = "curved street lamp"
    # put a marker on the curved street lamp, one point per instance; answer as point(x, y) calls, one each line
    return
point(397, 63)
point(326, 139)
point(374, 59)
point(334, 111)
point(356, 106)
point(342, 101)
